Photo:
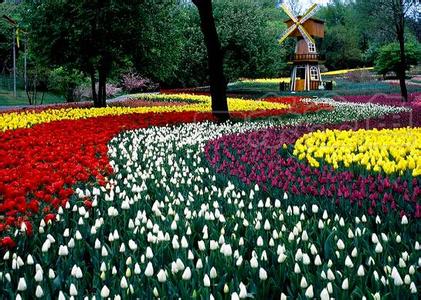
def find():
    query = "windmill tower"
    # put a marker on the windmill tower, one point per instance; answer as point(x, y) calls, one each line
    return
point(306, 69)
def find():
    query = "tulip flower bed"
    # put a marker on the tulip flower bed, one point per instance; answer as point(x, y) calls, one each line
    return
point(160, 222)
point(45, 161)
point(388, 150)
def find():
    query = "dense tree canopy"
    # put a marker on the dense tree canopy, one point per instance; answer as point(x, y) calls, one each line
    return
point(163, 41)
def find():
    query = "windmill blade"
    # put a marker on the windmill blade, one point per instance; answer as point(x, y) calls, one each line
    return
point(309, 39)
point(289, 13)
point(309, 13)
point(287, 33)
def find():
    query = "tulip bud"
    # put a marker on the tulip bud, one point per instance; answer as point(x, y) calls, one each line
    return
point(149, 270)
point(105, 292)
point(206, 281)
point(309, 292)
point(263, 274)
point(22, 284)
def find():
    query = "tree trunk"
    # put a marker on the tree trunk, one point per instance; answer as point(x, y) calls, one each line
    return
point(402, 66)
point(218, 85)
point(93, 87)
point(102, 94)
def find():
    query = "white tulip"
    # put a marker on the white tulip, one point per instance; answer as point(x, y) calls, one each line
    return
point(297, 269)
point(30, 260)
point(360, 271)
point(123, 283)
point(149, 270)
point(39, 293)
point(199, 264)
point(73, 290)
point(149, 253)
point(340, 244)
point(254, 263)
point(330, 275)
point(397, 279)
point(263, 274)
point(213, 274)
point(105, 292)
point(63, 251)
point(404, 220)
point(201, 245)
point(206, 281)
point(324, 295)
point(306, 259)
point(348, 262)
point(186, 274)
point(243, 291)
point(162, 277)
point(413, 288)
point(22, 284)
point(309, 292)
point(345, 284)
point(303, 283)
point(379, 248)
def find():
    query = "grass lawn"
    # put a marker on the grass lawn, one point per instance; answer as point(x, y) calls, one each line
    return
point(7, 98)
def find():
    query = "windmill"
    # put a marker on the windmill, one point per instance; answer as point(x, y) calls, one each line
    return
point(305, 74)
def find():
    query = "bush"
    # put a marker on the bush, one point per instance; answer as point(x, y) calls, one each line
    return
point(84, 92)
point(389, 57)
point(359, 76)
point(65, 82)
point(134, 83)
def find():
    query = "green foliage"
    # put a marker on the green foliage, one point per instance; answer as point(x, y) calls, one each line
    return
point(6, 34)
point(64, 82)
point(248, 31)
point(388, 59)
point(343, 43)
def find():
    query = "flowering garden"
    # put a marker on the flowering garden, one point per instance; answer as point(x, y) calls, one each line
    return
point(152, 198)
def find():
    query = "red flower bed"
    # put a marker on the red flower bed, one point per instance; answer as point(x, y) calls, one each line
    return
point(40, 165)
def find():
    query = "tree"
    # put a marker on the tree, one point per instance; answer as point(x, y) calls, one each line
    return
point(218, 84)
point(248, 33)
point(389, 16)
point(388, 59)
point(92, 36)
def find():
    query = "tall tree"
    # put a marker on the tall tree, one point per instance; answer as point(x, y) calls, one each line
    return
point(95, 36)
point(390, 16)
point(218, 84)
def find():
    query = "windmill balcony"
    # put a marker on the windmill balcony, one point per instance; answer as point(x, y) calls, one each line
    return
point(308, 57)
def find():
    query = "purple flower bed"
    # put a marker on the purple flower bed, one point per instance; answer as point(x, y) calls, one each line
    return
point(414, 99)
point(261, 158)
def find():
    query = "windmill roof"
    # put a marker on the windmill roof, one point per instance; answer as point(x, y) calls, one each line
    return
point(314, 19)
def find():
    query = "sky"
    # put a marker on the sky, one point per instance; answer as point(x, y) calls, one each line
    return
point(307, 3)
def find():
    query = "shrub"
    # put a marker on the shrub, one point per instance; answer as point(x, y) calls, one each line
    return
point(359, 76)
point(134, 83)
point(65, 82)
point(389, 57)
point(84, 92)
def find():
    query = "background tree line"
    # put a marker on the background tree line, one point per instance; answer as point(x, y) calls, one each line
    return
point(99, 40)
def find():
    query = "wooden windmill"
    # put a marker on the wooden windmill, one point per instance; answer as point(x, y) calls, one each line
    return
point(306, 69)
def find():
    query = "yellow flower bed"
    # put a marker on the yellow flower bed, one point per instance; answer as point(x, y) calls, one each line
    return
point(343, 72)
point(266, 80)
point(28, 119)
point(387, 150)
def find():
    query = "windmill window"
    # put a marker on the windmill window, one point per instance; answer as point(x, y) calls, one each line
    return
point(311, 48)
point(314, 73)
